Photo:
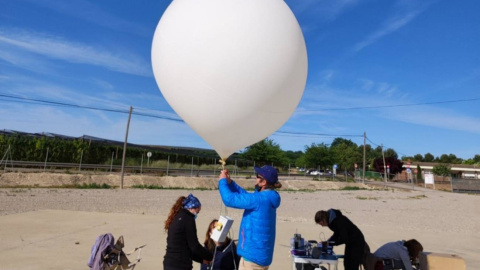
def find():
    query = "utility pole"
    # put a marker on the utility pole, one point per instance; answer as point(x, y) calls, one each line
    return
point(384, 167)
point(364, 154)
point(125, 147)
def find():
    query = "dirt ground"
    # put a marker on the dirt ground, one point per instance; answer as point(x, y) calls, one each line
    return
point(37, 224)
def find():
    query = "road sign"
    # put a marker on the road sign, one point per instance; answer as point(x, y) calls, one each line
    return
point(149, 154)
point(409, 170)
point(335, 166)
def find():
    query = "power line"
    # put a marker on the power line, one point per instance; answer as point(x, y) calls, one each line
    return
point(403, 154)
point(54, 103)
point(315, 134)
point(372, 142)
point(395, 106)
point(63, 104)
point(26, 100)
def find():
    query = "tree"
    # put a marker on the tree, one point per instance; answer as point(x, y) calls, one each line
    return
point(454, 159)
point(338, 141)
point(371, 154)
point(293, 156)
point(418, 157)
point(472, 161)
point(428, 157)
point(266, 152)
point(346, 155)
point(318, 155)
point(300, 162)
point(391, 153)
point(468, 162)
point(419, 174)
point(442, 170)
point(395, 165)
point(444, 159)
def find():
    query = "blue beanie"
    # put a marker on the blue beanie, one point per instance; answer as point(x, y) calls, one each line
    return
point(191, 202)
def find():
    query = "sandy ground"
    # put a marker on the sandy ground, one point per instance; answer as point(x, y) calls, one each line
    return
point(48, 228)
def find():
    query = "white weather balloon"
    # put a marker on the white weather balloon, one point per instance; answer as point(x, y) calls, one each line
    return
point(233, 70)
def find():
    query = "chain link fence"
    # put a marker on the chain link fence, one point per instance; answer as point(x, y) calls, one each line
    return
point(462, 185)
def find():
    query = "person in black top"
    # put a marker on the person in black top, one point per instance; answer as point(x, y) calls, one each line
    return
point(182, 241)
point(225, 253)
point(344, 232)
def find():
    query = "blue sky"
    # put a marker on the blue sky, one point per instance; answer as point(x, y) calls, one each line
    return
point(371, 53)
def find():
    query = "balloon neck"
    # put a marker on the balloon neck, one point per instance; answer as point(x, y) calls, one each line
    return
point(223, 161)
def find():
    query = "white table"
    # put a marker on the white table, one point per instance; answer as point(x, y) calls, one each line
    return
point(309, 260)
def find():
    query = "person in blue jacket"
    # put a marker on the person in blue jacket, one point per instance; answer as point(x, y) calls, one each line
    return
point(257, 229)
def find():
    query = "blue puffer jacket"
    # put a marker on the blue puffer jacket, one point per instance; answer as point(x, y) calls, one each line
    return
point(257, 230)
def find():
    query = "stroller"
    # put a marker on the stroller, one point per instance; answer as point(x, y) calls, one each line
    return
point(108, 256)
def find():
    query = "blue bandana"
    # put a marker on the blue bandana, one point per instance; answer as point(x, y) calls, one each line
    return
point(191, 202)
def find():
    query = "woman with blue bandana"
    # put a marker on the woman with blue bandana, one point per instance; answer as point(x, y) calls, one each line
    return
point(182, 242)
point(344, 232)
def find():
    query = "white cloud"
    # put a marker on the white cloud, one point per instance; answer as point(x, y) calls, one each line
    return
point(327, 75)
point(73, 52)
point(25, 60)
point(326, 10)
point(431, 116)
point(90, 12)
point(391, 25)
point(322, 107)
point(112, 126)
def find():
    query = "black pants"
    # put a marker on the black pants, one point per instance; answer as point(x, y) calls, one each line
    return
point(168, 267)
point(353, 256)
point(391, 264)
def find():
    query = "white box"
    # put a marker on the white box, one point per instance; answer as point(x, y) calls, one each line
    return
point(223, 227)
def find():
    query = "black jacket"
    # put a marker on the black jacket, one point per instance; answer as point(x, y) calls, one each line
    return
point(345, 232)
point(182, 243)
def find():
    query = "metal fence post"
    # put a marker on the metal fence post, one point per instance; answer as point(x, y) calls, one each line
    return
point(168, 163)
point(81, 158)
point(45, 165)
point(111, 163)
point(191, 170)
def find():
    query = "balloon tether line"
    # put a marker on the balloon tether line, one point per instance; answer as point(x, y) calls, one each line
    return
point(222, 205)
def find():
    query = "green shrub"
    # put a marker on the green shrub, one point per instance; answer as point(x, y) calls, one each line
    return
point(352, 188)
point(93, 186)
